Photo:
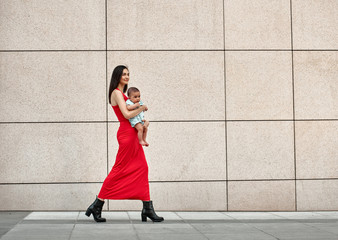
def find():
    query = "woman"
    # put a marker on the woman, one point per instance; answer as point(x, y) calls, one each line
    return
point(128, 178)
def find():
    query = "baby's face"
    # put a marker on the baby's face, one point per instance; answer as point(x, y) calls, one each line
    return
point(135, 97)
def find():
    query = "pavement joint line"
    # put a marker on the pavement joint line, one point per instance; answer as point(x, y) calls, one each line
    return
point(261, 230)
point(129, 218)
point(192, 226)
point(176, 215)
point(71, 232)
point(317, 228)
point(278, 215)
point(14, 225)
point(251, 226)
point(132, 224)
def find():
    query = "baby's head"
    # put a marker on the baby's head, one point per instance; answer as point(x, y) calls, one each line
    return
point(134, 94)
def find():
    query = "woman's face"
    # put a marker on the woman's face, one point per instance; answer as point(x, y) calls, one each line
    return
point(125, 77)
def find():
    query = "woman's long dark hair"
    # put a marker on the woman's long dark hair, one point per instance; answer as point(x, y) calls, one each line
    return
point(115, 80)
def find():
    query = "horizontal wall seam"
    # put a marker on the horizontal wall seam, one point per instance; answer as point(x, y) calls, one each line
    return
point(182, 181)
point(55, 50)
point(171, 50)
point(179, 121)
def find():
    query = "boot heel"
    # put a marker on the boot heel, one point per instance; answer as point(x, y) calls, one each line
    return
point(88, 212)
point(144, 218)
point(148, 211)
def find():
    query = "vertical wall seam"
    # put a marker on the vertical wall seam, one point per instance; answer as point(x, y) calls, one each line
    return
point(293, 109)
point(106, 101)
point(225, 117)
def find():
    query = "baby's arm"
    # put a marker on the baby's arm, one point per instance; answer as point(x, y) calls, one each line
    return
point(133, 107)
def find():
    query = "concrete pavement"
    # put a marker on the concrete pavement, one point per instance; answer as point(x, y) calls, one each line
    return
point(177, 226)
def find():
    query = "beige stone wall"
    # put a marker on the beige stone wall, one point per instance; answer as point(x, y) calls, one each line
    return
point(242, 96)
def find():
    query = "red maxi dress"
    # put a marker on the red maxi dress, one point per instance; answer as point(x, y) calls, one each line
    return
point(128, 178)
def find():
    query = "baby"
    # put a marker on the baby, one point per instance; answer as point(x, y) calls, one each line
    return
point(138, 121)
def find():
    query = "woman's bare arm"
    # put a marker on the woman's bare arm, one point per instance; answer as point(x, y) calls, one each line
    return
point(133, 107)
point(118, 97)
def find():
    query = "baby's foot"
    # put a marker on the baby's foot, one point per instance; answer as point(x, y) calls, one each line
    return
point(143, 143)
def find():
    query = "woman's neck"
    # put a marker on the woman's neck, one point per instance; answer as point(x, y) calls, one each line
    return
point(120, 87)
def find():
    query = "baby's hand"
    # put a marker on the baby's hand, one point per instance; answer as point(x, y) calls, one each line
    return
point(137, 105)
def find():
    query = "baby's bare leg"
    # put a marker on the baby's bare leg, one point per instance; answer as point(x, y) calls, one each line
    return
point(139, 128)
point(145, 130)
point(146, 123)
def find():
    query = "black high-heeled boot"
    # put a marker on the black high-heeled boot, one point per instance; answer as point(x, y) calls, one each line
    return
point(148, 211)
point(96, 209)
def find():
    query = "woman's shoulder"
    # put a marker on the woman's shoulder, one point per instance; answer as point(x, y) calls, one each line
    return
point(114, 96)
point(117, 92)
